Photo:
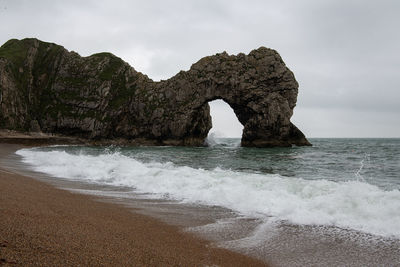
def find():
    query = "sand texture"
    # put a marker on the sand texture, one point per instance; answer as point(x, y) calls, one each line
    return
point(44, 226)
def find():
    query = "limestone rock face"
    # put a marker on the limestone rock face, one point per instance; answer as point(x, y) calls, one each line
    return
point(100, 97)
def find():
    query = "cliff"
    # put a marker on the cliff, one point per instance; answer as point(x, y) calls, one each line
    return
point(44, 87)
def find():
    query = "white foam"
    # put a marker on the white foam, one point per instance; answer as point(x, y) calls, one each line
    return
point(214, 139)
point(352, 205)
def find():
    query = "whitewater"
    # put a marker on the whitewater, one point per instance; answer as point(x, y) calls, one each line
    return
point(337, 183)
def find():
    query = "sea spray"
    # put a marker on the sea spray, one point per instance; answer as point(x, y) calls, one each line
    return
point(358, 173)
point(349, 204)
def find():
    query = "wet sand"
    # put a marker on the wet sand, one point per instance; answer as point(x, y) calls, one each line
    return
point(47, 226)
point(41, 225)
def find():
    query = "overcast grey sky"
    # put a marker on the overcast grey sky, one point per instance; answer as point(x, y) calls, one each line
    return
point(344, 54)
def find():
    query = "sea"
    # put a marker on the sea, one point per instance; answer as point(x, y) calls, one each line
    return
point(336, 203)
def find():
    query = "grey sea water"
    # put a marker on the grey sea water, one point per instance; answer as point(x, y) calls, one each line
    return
point(376, 161)
point(335, 203)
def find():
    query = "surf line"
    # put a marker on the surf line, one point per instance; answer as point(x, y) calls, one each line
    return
point(7, 172)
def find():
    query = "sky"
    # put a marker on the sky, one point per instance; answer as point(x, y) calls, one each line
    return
point(344, 53)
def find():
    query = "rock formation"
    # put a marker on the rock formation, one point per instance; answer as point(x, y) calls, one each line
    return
point(44, 87)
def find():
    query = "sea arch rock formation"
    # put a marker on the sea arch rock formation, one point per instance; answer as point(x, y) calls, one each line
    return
point(102, 98)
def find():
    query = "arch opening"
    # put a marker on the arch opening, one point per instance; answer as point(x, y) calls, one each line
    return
point(225, 123)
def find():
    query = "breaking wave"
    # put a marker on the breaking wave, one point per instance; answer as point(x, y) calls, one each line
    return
point(353, 205)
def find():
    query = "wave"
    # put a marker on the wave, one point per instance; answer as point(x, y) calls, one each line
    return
point(353, 205)
point(213, 140)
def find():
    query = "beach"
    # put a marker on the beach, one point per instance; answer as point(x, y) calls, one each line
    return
point(222, 205)
point(41, 225)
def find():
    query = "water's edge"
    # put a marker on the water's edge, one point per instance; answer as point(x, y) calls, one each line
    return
point(278, 243)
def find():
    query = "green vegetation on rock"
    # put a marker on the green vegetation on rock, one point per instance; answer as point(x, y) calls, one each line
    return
point(102, 97)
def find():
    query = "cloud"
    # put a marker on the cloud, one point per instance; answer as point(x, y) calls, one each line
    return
point(343, 53)
point(337, 122)
point(225, 123)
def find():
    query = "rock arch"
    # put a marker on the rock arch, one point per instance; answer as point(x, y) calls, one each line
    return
point(261, 90)
point(103, 99)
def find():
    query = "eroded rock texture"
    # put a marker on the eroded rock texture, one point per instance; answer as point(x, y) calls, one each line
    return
point(45, 87)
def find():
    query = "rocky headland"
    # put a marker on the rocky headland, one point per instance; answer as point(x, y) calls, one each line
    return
point(45, 88)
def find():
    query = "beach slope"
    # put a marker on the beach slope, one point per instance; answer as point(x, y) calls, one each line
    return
point(46, 226)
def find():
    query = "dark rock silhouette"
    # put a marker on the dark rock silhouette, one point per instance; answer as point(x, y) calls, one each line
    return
point(44, 87)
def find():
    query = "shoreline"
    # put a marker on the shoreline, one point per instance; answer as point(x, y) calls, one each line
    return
point(43, 139)
point(277, 243)
point(44, 225)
